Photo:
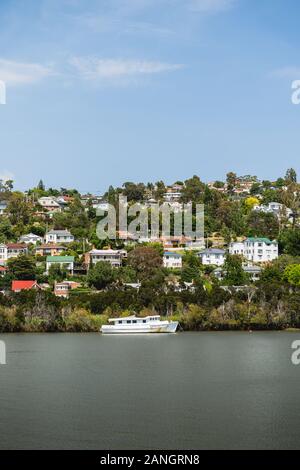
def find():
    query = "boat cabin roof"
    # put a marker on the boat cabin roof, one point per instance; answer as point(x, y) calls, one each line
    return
point(133, 317)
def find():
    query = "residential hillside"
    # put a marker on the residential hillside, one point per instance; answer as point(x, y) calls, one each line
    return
point(57, 275)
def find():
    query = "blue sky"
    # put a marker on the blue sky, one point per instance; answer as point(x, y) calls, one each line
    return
point(107, 91)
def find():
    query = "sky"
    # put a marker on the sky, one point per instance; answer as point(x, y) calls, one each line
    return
point(108, 91)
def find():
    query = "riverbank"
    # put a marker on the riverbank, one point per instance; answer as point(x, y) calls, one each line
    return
point(79, 320)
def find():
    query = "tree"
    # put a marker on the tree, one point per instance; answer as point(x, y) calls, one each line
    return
point(251, 202)
point(57, 273)
point(231, 179)
point(234, 273)
point(263, 225)
point(292, 274)
point(22, 268)
point(101, 275)
point(291, 176)
point(18, 209)
point(41, 186)
point(193, 190)
point(134, 192)
point(145, 260)
point(289, 242)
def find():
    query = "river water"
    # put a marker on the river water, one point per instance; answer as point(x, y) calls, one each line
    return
point(184, 391)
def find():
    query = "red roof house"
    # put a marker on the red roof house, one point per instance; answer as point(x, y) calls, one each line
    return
point(18, 286)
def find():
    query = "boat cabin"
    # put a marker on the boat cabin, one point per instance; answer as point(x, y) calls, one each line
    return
point(134, 320)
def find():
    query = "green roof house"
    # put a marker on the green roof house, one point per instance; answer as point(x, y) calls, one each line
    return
point(65, 262)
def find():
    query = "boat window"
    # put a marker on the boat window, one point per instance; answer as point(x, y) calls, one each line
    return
point(129, 322)
point(134, 321)
point(120, 322)
point(144, 321)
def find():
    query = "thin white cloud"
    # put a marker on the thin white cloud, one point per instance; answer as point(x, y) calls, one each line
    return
point(19, 73)
point(211, 6)
point(292, 72)
point(91, 68)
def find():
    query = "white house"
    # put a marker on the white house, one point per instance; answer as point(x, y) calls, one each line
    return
point(212, 256)
point(279, 210)
point(59, 236)
point(31, 238)
point(172, 260)
point(257, 250)
point(3, 253)
point(237, 248)
point(114, 257)
point(16, 249)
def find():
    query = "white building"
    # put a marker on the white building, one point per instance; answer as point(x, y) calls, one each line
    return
point(237, 248)
point(172, 260)
point(257, 250)
point(31, 238)
point(212, 256)
point(279, 210)
point(59, 236)
point(3, 253)
point(114, 257)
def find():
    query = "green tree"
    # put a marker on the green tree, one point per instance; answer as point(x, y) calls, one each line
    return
point(291, 176)
point(101, 275)
point(18, 209)
point(234, 273)
point(145, 261)
point(22, 268)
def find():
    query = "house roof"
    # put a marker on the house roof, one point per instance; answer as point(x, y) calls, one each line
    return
point(60, 232)
point(212, 251)
point(30, 235)
point(104, 252)
point(22, 285)
point(260, 240)
point(60, 259)
point(51, 247)
point(175, 255)
point(16, 246)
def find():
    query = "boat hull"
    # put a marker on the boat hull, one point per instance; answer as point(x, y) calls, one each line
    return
point(164, 327)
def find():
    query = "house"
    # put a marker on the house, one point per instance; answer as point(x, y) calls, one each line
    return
point(62, 289)
point(3, 206)
point(212, 256)
point(30, 238)
point(172, 195)
point(65, 262)
point(114, 257)
point(254, 273)
point(59, 236)
point(3, 253)
point(50, 250)
point(257, 250)
point(279, 210)
point(172, 260)
point(49, 204)
point(16, 249)
point(237, 248)
point(18, 286)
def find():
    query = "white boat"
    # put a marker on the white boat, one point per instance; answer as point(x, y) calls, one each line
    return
point(134, 325)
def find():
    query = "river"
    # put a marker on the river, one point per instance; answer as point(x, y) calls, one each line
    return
point(186, 391)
